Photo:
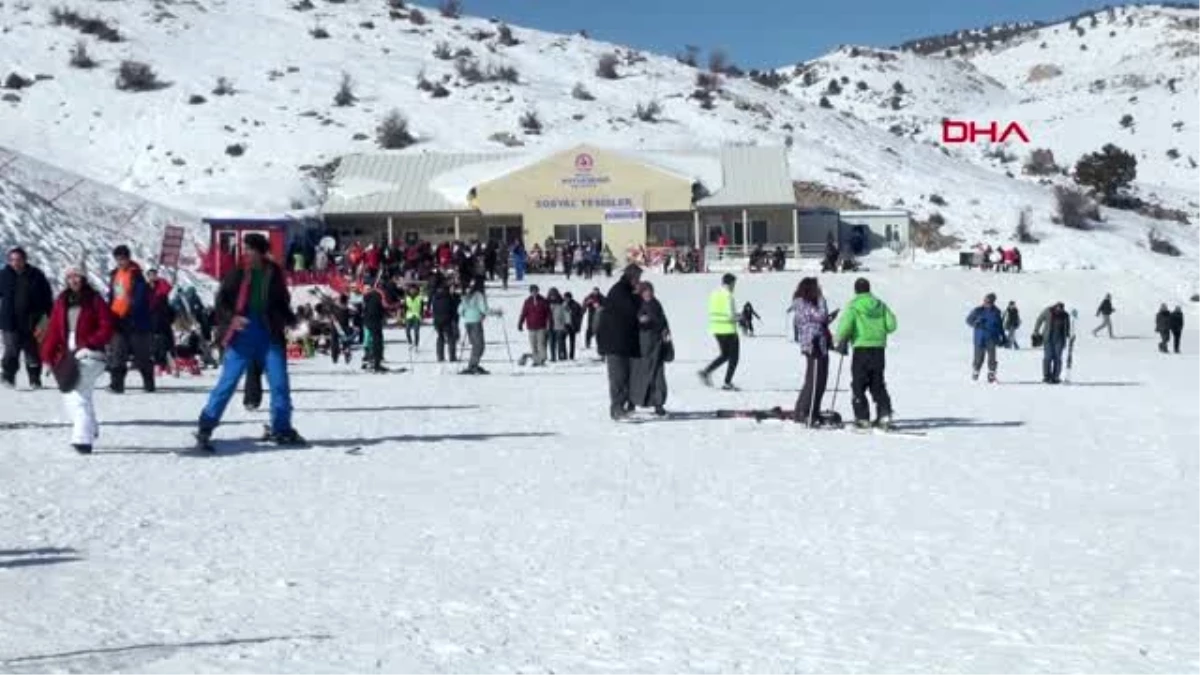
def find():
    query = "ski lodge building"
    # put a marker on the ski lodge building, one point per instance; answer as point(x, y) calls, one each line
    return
point(623, 198)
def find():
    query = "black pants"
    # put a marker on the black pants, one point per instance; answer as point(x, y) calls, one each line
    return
point(570, 338)
point(730, 346)
point(124, 343)
point(816, 377)
point(252, 392)
point(447, 334)
point(589, 333)
point(558, 345)
point(412, 331)
point(618, 381)
point(374, 356)
point(1166, 337)
point(161, 346)
point(866, 372)
point(1175, 335)
point(335, 346)
point(15, 344)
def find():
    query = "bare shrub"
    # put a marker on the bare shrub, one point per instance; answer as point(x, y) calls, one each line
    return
point(824, 103)
point(1160, 244)
point(479, 34)
point(937, 199)
point(137, 76)
point(80, 58)
point(345, 93)
point(709, 81)
point(442, 51)
point(580, 93)
point(469, 70)
point(318, 32)
point(417, 18)
point(505, 36)
point(648, 112)
point(451, 9)
point(504, 73)
point(718, 61)
point(396, 4)
point(606, 67)
point(392, 132)
point(1074, 209)
point(1041, 163)
point(235, 150)
point(224, 87)
point(690, 56)
point(88, 25)
point(1023, 232)
point(531, 123)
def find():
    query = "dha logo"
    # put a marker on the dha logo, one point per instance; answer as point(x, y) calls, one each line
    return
point(957, 131)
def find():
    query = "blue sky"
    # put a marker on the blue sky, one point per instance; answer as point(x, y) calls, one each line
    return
point(766, 33)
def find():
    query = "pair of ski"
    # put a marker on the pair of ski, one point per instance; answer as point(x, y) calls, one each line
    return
point(779, 414)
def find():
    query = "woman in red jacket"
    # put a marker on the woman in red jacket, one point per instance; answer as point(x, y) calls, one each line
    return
point(80, 327)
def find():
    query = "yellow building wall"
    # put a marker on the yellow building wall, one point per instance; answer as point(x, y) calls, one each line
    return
point(586, 185)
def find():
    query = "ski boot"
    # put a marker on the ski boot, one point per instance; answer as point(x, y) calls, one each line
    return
point(884, 423)
point(204, 441)
point(660, 411)
point(862, 425)
point(289, 438)
point(82, 448)
point(992, 377)
point(974, 375)
point(729, 386)
point(705, 378)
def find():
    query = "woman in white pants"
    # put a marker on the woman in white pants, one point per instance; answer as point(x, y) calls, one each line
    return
point(79, 329)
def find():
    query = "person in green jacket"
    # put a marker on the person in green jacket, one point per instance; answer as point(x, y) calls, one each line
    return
point(722, 324)
point(414, 305)
point(866, 322)
point(473, 310)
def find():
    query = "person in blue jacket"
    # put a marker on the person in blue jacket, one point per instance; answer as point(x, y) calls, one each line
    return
point(988, 325)
point(520, 260)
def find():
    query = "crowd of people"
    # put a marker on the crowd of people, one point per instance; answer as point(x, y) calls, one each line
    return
point(254, 327)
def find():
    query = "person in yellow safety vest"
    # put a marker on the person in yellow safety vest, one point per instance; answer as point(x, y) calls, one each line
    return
point(722, 324)
point(414, 306)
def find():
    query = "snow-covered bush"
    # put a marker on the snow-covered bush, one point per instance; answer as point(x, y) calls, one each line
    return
point(1160, 244)
point(505, 36)
point(606, 67)
point(417, 18)
point(648, 112)
point(531, 123)
point(80, 58)
point(137, 76)
point(345, 93)
point(580, 93)
point(1023, 233)
point(392, 132)
point(1041, 163)
point(1074, 209)
point(442, 51)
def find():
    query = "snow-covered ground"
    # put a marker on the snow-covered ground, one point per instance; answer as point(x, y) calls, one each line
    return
point(449, 524)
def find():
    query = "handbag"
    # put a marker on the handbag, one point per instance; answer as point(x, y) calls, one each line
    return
point(66, 373)
point(668, 347)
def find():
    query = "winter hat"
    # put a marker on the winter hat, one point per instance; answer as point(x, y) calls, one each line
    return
point(990, 298)
point(728, 279)
point(861, 285)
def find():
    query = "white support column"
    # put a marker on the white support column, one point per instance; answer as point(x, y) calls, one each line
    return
point(745, 232)
point(391, 232)
point(796, 234)
point(457, 231)
point(696, 227)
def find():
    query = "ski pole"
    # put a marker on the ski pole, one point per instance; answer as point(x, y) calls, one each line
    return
point(836, 382)
point(507, 348)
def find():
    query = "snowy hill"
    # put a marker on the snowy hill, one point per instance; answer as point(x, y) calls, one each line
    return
point(1068, 84)
point(62, 219)
point(179, 143)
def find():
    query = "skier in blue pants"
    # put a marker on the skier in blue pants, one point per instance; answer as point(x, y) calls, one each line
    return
point(254, 309)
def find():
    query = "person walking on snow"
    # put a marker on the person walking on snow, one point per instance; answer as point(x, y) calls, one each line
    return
point(444, 307)
point(535, 314)
point(1057, 324)
point(414, 306)
point(25, 301)
point(1162, 326)
point(79, 329)
point(255, 309)
point(474, 309)
point(129, 300)
point(746, 322)
point(560, 320)
point(1012, 322)
point(575, 312)
point(1177, 326)
point(618, 339)
point(591, 304)
point(1105, 312)
point(647, 372)
point(722, 325)
point(810, 319)
point(374, 315)
point(988, 325)
point(866, 324)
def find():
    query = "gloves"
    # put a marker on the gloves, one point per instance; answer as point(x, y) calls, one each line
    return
point(842, 348)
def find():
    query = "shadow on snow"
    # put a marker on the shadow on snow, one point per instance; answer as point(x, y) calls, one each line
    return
point(248, 446)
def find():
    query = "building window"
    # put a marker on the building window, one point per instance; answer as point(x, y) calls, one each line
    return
point(758, 232)
point(578, 234)
point(682, 233)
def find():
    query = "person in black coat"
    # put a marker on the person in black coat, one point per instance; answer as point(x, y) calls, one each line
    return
point(444, 307)
point(1162, 326)
point(575, 311)
point(617, 338)
point(1177, 326)
point(374, 315)
point(25, 301)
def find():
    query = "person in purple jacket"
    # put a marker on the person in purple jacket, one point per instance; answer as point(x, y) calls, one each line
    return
point(811, 318)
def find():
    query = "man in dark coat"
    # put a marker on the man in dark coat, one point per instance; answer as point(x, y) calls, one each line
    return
point(1162, 326)
point(129, 298)
point(374, 315)
point(648, 380)
point(25, 301)
point(1105, 312)
point(617, 338)
point(988, 333)
point(1177, 326)
point(444, 307)
point(254, 310)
